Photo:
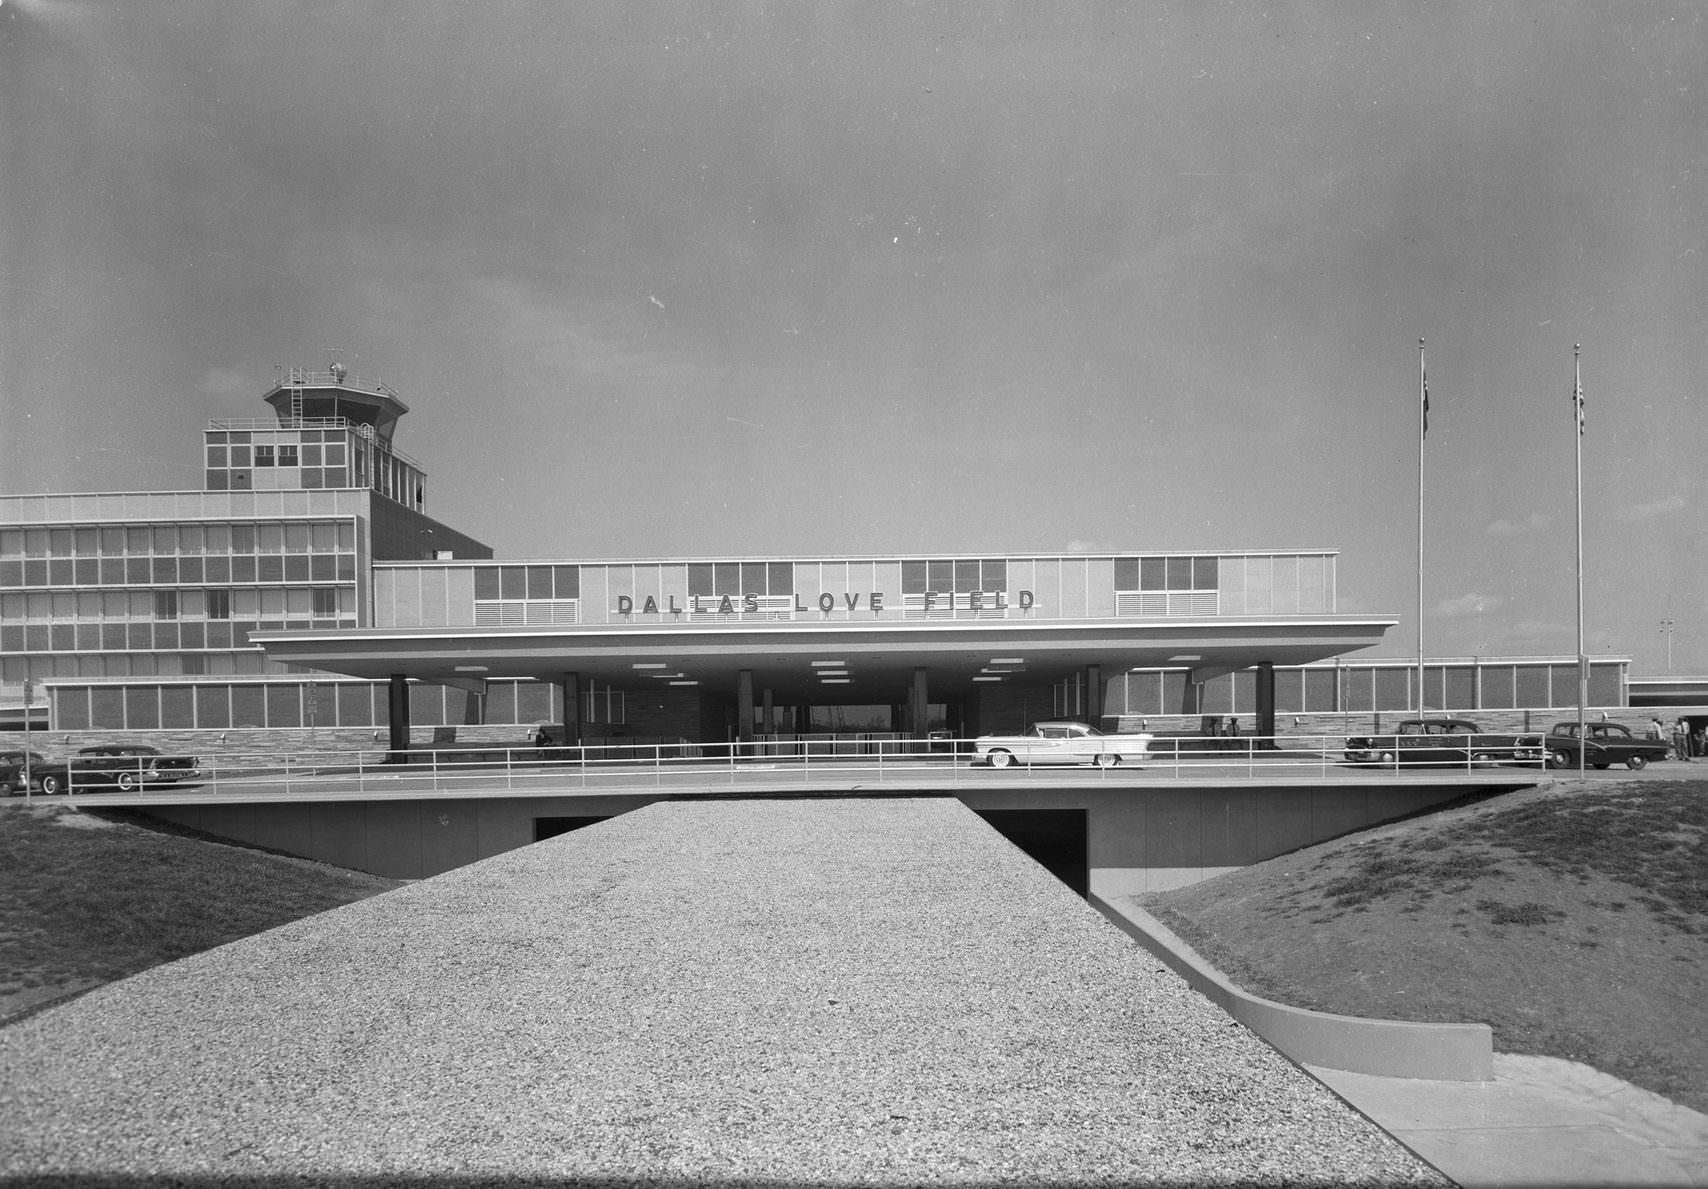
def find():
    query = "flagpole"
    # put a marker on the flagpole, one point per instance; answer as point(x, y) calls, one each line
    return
point(1422, 432)
point(1583, 659)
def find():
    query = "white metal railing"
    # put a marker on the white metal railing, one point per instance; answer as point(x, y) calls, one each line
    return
point(781, 763)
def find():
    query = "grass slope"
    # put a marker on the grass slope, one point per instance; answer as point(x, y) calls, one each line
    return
point(1573, 919)
point(85, 900)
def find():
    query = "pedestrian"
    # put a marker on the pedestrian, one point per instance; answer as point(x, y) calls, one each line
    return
point(1656, 731)
point(1699, 740)
point(1681, 740)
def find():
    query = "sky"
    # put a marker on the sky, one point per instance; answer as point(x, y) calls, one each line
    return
point(735, 280)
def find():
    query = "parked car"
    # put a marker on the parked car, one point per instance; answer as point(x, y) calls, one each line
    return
point(12, 770)
point(1443, 743)
point(1607, 743)
point(1061, 743)
point(123, 766)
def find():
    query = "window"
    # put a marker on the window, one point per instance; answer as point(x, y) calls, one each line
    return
point(325, 602)
point(288, 454)
point(263, 456)
point(943, 588)
point(219, 604)
point(714, 579)
point(1167, 585)
point(166, 604)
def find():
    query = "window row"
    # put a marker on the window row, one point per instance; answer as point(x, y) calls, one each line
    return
point(225, 706)
point(1364, 689)
point(96, 606)
point(943, 577)
point(710, 579)
point(174, 571)
point(284, 454)
point(65, 665)
point(171, 540)
point(159, 636)
point(1167, 573)
point(282, 478)
point(527, 582)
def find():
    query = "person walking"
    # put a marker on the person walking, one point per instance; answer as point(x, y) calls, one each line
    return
point(1681, 740)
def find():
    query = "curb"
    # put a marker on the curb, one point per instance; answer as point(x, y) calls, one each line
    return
point(1386, 1048)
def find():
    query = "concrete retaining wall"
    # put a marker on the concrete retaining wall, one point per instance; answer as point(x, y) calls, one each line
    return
point(1386, 1048)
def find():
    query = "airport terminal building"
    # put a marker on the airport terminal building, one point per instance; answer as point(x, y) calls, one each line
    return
point(306, 588)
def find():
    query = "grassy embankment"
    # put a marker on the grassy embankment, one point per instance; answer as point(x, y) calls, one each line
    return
point(1573, 919)
point(85, 900)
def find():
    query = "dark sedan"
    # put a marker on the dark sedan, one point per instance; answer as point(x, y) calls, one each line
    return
point(12, 770)
point(122, 766)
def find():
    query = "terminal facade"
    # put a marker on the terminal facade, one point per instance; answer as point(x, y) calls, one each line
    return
point(306, 587)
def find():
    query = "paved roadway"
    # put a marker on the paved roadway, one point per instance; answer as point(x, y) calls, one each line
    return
point(828, 775)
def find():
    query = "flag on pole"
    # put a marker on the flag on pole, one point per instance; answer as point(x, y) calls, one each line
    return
point(1577, 403)
point(1425, 375)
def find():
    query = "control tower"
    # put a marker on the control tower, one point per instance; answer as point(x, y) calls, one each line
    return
point(331, 429)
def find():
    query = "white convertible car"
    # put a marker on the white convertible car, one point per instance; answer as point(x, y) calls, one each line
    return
point(1062, 743)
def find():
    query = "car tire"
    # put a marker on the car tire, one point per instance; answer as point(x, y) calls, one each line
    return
point(1636, 763)
point(127, 782)
point(1388, 759)
point(1104, 759)
point(1559, 759)
point(51, 785)
point(1483, 757)
point(1000, 758)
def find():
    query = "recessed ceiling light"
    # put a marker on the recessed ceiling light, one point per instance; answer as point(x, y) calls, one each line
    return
point(472, 669)
point(828, 664)
point(833, 672)
point(665, 676)
point(1186, 656)
point(835, 681)
point(649, 665)
point(987, 679)
point(1008, 660)
point(684, 683)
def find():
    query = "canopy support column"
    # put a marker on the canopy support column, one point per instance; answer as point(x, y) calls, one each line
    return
point(572, 709)
point(744, 706)
point(397, 719)
point(921, 725)
point(1265, 729)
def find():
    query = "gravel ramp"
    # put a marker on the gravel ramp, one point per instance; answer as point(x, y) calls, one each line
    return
point(771, 992)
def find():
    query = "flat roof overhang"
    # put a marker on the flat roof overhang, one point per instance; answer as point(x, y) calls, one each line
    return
point(790, 658)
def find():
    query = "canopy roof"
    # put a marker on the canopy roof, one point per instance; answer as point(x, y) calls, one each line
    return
point(879, 659)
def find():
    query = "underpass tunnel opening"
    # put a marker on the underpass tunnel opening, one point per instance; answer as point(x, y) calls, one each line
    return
point(1055, 839)
point(552, 827)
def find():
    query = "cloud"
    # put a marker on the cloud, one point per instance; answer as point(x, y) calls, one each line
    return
point(1534, 523)
point(1467, 605)
point(578, 346)
point(52, 12)
point(223, 382)
point(1080, 546)
point(1651, 511)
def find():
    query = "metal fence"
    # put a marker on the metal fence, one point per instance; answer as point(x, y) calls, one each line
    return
point(778, 764)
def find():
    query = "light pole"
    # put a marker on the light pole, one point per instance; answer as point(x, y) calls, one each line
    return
point(29, 698)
